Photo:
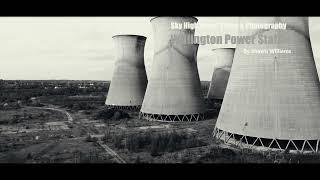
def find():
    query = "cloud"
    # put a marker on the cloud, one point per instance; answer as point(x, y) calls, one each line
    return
point(81, 47)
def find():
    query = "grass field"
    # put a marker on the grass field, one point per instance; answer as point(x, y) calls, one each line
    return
point(38, 135)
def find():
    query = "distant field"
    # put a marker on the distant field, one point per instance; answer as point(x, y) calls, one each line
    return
point(12, 91)
point(32, 135)
point(29, 116)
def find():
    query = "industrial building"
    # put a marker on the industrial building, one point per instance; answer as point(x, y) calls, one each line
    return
point(223, 62)
point(174, 91)
point(129, 80)
point(273, 99)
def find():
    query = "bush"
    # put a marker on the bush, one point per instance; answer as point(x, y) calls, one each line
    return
point(106, 137)
point(154, 147)
point(4, 122)
point(136, 142)
point(155, 143)
point(91, 139)
point(108, 113)
point(159, 143)
point(118, 141)
point(174, 141)
point(104, 114)
point(117, 115)
point(138, 160)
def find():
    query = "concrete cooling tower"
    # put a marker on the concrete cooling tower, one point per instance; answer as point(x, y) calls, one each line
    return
point(272, 100)
point(174, 91)
point(129, 79)
point(220, 76)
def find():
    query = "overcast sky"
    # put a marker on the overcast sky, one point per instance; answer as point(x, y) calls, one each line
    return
point(80, 48)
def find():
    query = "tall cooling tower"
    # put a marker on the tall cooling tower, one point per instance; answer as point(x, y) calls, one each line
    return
point(220, 76)
point(129, 81)
point(273, 99)
point(174, 91)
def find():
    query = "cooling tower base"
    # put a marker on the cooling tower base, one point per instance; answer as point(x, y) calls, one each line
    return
point(171, 118)
point(130, 108)
point(263, 144)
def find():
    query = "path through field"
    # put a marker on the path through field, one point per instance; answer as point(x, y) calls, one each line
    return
point(70, 120)
point(69, 117)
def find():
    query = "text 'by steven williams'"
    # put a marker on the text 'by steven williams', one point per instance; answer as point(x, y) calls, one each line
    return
point(267, 51)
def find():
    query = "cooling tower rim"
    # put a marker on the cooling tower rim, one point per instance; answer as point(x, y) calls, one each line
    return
point(242, 142)
point(129, 35)
point(172, 117)
point(224, 48)
point(223, 68)
point(173, 16)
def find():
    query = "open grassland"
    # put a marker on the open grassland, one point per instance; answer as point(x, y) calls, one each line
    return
point(94, 134)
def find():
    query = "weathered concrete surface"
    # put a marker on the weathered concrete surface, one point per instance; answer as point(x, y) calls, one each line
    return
point(129, 79)
point(274, 95)
point(223, 62)
point(174, 84)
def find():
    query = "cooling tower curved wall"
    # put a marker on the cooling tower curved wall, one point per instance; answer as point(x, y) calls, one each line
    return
point(174, 91)
point(298, 24)
point(275, 97)
point(218, 83)
point(220, 76)
point(129, 79)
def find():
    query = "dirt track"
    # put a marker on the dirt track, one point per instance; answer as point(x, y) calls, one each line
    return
point(69, 117)
point(104, 146)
